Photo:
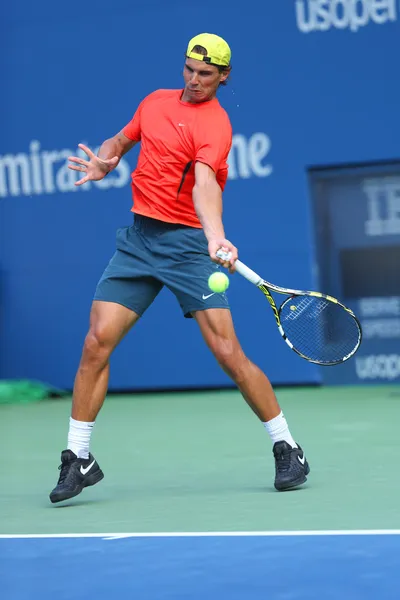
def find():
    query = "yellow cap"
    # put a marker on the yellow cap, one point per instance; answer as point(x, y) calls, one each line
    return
point(218, 51)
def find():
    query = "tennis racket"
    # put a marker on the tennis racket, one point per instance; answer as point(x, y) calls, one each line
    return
point(317, 327)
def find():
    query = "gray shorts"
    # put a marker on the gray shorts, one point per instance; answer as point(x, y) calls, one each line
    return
point(151, 254)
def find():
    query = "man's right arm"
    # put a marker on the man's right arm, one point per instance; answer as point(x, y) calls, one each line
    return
point(107, 159)
point(116, 146)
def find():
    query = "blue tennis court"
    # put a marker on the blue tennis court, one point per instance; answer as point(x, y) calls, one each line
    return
point(337, 537)
point(283, 566)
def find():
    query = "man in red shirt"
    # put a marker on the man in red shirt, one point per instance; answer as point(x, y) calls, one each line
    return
point(177, 186)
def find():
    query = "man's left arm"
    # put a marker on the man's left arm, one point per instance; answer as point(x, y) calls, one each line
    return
point(207, 199)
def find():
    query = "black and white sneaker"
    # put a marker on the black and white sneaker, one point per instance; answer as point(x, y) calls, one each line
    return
point(75, 474)
point(291, 466)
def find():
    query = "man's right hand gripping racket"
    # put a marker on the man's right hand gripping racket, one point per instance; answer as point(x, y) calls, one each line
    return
point(318, 327)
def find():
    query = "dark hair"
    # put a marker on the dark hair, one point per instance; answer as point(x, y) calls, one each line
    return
point(203, 51)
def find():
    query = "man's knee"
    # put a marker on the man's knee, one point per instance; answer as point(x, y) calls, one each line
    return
point(98, 345)
point(230, 356)
point(109, 322)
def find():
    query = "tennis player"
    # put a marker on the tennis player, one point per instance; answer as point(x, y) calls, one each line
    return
point(177, 186)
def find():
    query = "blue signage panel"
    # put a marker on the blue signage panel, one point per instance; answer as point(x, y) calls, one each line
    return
point(359, 246)
point(314, 82)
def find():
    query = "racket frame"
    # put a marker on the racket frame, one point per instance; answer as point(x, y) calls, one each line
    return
point(266, 287)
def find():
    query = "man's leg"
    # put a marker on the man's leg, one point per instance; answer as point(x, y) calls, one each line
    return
point(109, 323)
point(125, 291)
point(217, 328)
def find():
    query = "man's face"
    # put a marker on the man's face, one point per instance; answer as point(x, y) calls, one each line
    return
point(201, 80)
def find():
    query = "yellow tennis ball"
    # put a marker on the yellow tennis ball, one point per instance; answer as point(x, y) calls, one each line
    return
point(218, 282)
point(293, 307)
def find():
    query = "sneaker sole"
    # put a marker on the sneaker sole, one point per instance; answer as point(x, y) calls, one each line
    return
point(296, 483)
point(91, 480)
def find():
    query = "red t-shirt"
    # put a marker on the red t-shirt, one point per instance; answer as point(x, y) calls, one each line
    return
point(174, 135)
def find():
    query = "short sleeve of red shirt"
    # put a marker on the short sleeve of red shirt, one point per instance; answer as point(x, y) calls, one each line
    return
point(212, 141)
point(133, 129)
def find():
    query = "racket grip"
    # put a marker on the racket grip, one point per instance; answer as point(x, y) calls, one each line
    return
point(241, 268)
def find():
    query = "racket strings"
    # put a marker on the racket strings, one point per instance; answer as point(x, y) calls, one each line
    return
point(320, 330)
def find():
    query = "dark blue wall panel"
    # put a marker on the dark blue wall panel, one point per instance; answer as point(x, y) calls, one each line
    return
point(313, 82)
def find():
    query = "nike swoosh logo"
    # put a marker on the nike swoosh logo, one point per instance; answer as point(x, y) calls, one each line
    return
point(209, 296)
point(302, 459)
point(87, 469)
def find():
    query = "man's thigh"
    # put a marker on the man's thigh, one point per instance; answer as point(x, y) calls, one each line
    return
point(129, 278)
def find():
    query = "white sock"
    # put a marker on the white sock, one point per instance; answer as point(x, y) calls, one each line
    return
point(79, 437)
point(279, 431)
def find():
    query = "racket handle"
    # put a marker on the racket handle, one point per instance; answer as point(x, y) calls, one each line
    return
point(241, 268)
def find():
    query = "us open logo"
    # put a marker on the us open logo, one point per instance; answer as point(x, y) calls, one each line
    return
point(322, 15)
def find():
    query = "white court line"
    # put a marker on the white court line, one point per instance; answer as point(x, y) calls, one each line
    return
point(186, 534)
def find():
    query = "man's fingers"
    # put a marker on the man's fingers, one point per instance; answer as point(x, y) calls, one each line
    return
point(224, 263)
point(74, 168)
point(227, 256)
point(229, 263)
point(232, 268)
point(78, 160)
point(87, 150)
point(223, 254)
point(83, 180)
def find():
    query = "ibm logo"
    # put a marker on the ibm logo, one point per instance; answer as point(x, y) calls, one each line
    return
point(383, 206)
